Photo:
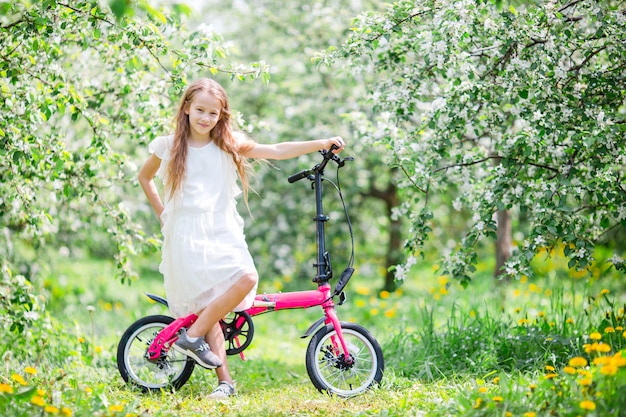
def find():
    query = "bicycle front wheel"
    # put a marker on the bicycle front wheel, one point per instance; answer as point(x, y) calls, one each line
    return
point(328, 368)
point(171, 370)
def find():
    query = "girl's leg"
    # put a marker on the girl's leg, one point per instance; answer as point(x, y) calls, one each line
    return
point(215, 339)
point(221, 306)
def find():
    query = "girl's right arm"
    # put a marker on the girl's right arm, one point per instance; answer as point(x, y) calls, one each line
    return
point(146, 180)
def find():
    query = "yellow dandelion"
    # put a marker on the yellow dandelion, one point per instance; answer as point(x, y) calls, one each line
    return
point(603, 348)
point(482, 390)
point(361, 290)
point(601, 360)
point(6, 388)
point(478, 403)
point(522, 322)
point(88, 390)
point(609, 330)
point(569, 370)
point(391, 313)
point(595, 336)
point(578, 362)
point(37, 400)
point(530, 414)
point(51, 409)
point(604, 291)
point(508, 414)
point(516, 293)
point(41, 392)
point(550, 368)
point(548, 292)
point(551, 376)
point(496, 380)
point(498, 399)
point(384, 294)
point(374, 311)
point(532, 387)
point(523, 279)
point(584, 373)
point(569, 321)
point(30, 370)
point(116, 408)
point(541, 314)
point(360, 303)
point(66, 412)
point(587, 405)
point(618, 360)
point(81, 340)
point(608, 370)
point(18, 378)
point(98, 349)
point(585, 382)
point(619, 328)
point(624, 334)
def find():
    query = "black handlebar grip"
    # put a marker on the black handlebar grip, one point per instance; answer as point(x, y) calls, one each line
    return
point(297, 177)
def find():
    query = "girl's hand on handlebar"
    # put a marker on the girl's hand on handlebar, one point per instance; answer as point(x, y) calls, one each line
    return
point(338, 143)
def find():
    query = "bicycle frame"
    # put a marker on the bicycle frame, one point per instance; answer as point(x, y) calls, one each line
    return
point(263, 303)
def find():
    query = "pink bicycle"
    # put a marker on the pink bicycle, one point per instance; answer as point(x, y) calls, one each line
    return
point(342, 358)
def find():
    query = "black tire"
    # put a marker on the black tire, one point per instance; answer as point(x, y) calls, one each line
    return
point(330, 373)
point(238, 331)
point(171, 371)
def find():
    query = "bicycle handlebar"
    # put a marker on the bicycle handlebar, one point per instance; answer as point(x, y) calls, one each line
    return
point(328, 156)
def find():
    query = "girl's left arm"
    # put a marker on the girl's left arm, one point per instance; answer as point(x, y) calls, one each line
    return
point(286, 150)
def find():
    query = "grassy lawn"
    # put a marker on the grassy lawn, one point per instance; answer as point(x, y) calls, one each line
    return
point(545, 346)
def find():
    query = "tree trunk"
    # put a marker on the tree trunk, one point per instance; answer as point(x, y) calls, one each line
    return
point(395, 254)
point(503, 241)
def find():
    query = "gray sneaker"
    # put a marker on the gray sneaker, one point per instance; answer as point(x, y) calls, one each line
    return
point(223, 390)
point(198, 349)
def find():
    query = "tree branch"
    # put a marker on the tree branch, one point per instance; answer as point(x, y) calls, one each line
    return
point(411, 179)
point(466, 164)
point(402, 21)
point(577, 68)
point(571, 4)
point(480, 161)
point(10, 25)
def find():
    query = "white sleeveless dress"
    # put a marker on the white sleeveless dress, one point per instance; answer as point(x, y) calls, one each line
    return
point(204, 249)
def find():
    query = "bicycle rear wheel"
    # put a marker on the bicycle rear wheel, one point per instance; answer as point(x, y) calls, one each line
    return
point(328, 368)
point(171, 370)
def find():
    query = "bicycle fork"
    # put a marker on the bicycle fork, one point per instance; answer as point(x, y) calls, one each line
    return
point(338, 342)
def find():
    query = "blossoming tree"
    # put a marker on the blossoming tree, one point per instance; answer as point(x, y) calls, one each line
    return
point(518, 107)
point(81, 91)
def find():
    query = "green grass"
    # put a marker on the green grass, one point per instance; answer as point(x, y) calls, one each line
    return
point(492, 349)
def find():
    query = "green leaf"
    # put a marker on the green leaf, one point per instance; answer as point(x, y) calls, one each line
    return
point(119, 8)
point(25, 394)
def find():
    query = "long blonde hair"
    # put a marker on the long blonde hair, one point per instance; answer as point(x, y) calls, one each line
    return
point(221, 135)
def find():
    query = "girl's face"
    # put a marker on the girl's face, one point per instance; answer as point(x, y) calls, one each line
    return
point(204, 112)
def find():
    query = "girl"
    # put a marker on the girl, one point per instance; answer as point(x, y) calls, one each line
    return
point(206, 265)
